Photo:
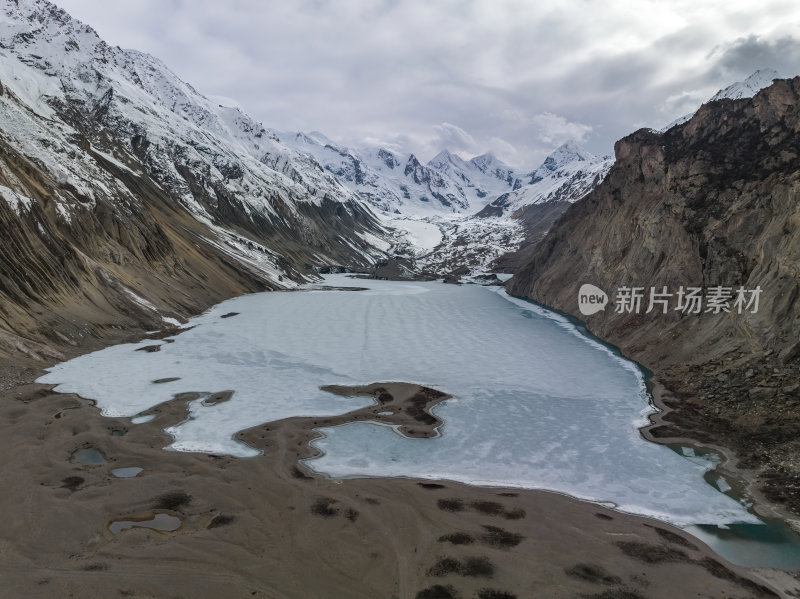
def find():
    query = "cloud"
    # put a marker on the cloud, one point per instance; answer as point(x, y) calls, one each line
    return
point(554, 129)
point(501, 147)
point(747, 54)
point(684, 102)
point(453, 138)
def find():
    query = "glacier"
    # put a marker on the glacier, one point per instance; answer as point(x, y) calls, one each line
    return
point(536, 403)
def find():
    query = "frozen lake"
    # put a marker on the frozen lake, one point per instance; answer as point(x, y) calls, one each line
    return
point(536, 404)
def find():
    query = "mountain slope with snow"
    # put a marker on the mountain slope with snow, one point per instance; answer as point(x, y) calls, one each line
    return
point(749, 87)
point(736, 91)
point(490, 240)
point(120, 181)
point(453, 196)
point(566, 175)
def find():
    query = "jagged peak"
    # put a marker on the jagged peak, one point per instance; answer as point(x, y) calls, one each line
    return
point(572, 150)
point(63, 48)
point(445, 157)
point(485, 160)
point(387, 157)
point(568, 152)
point(304, 138)
point(441, 156)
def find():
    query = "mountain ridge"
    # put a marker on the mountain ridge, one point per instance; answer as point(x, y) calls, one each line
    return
point(392, 183)
point(747, 88)
point(137, 190)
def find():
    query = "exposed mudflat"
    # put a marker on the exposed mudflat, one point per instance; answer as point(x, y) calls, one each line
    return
point(267, 527)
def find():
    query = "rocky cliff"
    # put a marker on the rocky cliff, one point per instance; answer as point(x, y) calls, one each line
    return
point(711, 203)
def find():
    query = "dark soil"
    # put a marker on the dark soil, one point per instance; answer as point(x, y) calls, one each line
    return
point(592, 573)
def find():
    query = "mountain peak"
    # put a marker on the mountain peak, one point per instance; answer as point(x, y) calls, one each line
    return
point(387, 157)
point(412, 162)
point(444, 158)
point(488, 162)
point(569, 151)
point(320, 137)
point(749, 87)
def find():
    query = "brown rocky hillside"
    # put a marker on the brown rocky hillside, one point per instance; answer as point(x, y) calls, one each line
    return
point(711, 202)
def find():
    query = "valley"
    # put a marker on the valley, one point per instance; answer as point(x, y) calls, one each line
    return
point(199, 315)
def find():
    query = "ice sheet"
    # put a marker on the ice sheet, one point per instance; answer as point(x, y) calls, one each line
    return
point(536, 404)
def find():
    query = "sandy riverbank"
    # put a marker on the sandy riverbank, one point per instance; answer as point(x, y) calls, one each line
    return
point(265, 527)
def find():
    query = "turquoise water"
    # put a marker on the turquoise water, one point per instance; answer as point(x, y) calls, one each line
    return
point(772, 543)
point(768, 543)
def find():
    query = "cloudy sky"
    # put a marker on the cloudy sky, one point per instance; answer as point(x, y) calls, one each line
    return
point(512, 77)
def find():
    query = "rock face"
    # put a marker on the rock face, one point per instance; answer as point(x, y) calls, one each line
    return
point(535, 221)
point(710, 202)
point(127, 197)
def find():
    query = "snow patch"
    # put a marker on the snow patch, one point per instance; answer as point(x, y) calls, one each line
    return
point(17, 202)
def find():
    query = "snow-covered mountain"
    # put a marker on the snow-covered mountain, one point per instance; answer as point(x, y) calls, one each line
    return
point(404, 185)
point(741, 89)
point(470, 244)
point(566, 175)
point(110, 165)
point(749, 87)
point(74, 104)
point(452, 197)
point(493, 168)
point(564, 155)
point(490, 174)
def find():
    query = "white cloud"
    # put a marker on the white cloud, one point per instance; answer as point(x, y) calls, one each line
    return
point(454, 138)
point(554, 129)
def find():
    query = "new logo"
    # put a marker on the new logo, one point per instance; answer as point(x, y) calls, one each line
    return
point(591, 299)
